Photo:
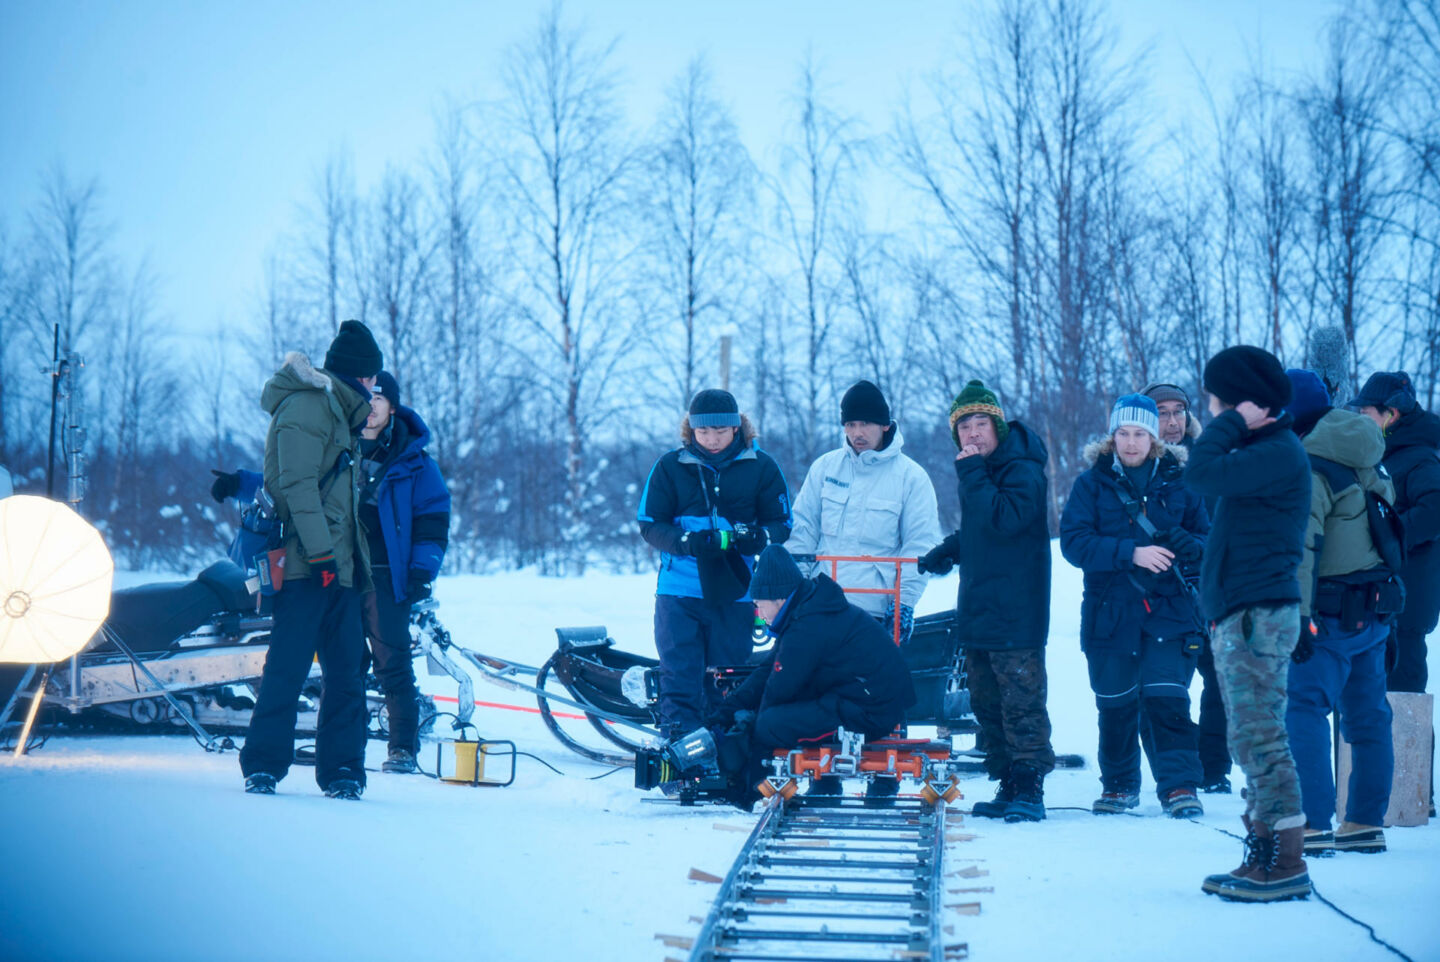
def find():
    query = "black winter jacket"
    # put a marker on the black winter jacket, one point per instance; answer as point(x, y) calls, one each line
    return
point(1412, 456)
point(1262, 479)
point(1003, 545)
point(826, 647)
point(1099, 534)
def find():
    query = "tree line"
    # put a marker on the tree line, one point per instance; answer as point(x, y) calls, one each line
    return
point(552, 280)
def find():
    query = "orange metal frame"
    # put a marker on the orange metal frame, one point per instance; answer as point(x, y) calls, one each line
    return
point(894, 592)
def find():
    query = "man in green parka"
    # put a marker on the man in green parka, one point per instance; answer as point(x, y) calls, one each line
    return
point(311, 459)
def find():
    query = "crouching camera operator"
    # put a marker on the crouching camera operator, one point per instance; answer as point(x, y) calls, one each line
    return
point(833, 665)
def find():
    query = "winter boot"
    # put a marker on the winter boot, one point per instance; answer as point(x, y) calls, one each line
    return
point(881, 791)
point(345, 785)
point(1219, 785)
point(1350, 837)
point(1319, 843)
point(995, 808)
point(1257, 851)
point(1028, 803)
point(1115, 803)
point(1280, 877)
point(261, 783)
point(1182, 803)
point(826, 786)
point(400, 762)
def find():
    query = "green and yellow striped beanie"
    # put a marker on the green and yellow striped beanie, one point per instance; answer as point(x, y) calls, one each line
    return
point(976, 398)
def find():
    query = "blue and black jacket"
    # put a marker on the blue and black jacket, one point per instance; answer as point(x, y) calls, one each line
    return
point(413, 504)
point(687, 491)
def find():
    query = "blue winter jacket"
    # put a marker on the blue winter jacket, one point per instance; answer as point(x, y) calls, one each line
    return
point(1099, 536)
point(414, 507)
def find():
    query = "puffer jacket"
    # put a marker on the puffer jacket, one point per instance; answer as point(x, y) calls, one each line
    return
point(826, 647)
point(1337, 539)
point(1099, 534)
point(1262, 481)
point(878, 503)
point(315, 418)
point(1412, 456)
point(413, 504)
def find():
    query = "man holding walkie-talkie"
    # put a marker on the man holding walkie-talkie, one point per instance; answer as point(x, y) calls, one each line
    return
point(710, 506)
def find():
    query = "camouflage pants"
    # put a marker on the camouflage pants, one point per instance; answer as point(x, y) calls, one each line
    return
point(1252, 661)
point(1007, 694)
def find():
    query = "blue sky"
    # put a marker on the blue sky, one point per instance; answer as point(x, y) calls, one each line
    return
point(206, 122)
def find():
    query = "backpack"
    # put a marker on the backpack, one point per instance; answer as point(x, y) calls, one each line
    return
point(1387, 531)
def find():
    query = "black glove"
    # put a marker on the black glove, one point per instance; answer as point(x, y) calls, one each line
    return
point(701, 544)
point(326, 574)
point(1305, 645)
point(1186, 546)
point(937, 561)
point(227, 485)
point(751, 539)
point(418, 588)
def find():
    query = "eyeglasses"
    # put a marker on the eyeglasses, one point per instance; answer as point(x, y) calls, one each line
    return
point(1173, 415)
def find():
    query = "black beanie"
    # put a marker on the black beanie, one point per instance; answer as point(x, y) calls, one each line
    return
point(1245, 373)
point(775, 577)
point(714, 408)
point(387, 387)
point(354, 352)
point(864, 402)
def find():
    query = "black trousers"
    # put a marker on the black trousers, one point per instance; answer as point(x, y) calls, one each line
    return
point(690, 635)
point(1145, 698)
point(1214, 746)
point(311, 621)
point(387, 628)
point(795, 724)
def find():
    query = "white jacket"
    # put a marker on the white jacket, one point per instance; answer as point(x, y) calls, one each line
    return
point(878, 503)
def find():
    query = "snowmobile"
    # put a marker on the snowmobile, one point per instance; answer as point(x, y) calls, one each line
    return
point(205, 643)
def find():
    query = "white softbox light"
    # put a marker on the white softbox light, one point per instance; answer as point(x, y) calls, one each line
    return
point(55, 578)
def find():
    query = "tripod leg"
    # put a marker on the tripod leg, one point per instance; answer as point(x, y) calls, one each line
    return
point(35, 701)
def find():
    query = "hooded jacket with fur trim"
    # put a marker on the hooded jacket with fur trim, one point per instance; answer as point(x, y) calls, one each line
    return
point(315, 418)
point(687, 491)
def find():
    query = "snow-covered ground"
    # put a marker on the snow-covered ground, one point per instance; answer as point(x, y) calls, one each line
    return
point(146, 848)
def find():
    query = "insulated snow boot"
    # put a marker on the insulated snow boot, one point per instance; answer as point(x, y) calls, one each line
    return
point(1114, 803)
point(1219, 785)
point(1319, 843)
point(1280, 877)
point(399, 762)
point(261, 783)
point(995, 808)
point(826, 786)
point(347, 788)
point(1350, 837)
point(881, 791)
point(1028, 803)
point(1182, 803)
point(1257, 851)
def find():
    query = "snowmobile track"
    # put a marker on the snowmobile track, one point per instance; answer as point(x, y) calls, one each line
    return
point(829, 880)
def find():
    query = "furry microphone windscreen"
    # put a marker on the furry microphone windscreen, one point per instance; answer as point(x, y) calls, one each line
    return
point(1329, 357)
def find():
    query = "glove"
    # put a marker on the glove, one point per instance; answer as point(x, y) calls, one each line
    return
point(227, 485)
point(751, 539)
point(1186, 546)
point(1305, 646)
point(937, 561)
point(700, 544)
point(907, 620)
point(324, 569)
point(418, 588)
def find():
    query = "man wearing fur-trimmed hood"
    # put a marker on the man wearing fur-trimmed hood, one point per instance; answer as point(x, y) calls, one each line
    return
point(1133, 527)
point(311, 457)
point(710, 506)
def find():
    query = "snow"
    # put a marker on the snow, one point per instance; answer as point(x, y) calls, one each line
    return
point(146, 847)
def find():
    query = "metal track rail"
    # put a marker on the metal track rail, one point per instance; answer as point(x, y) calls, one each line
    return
point(828, 880)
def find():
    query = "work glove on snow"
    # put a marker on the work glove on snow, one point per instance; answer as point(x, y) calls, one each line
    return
point(227, 485)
